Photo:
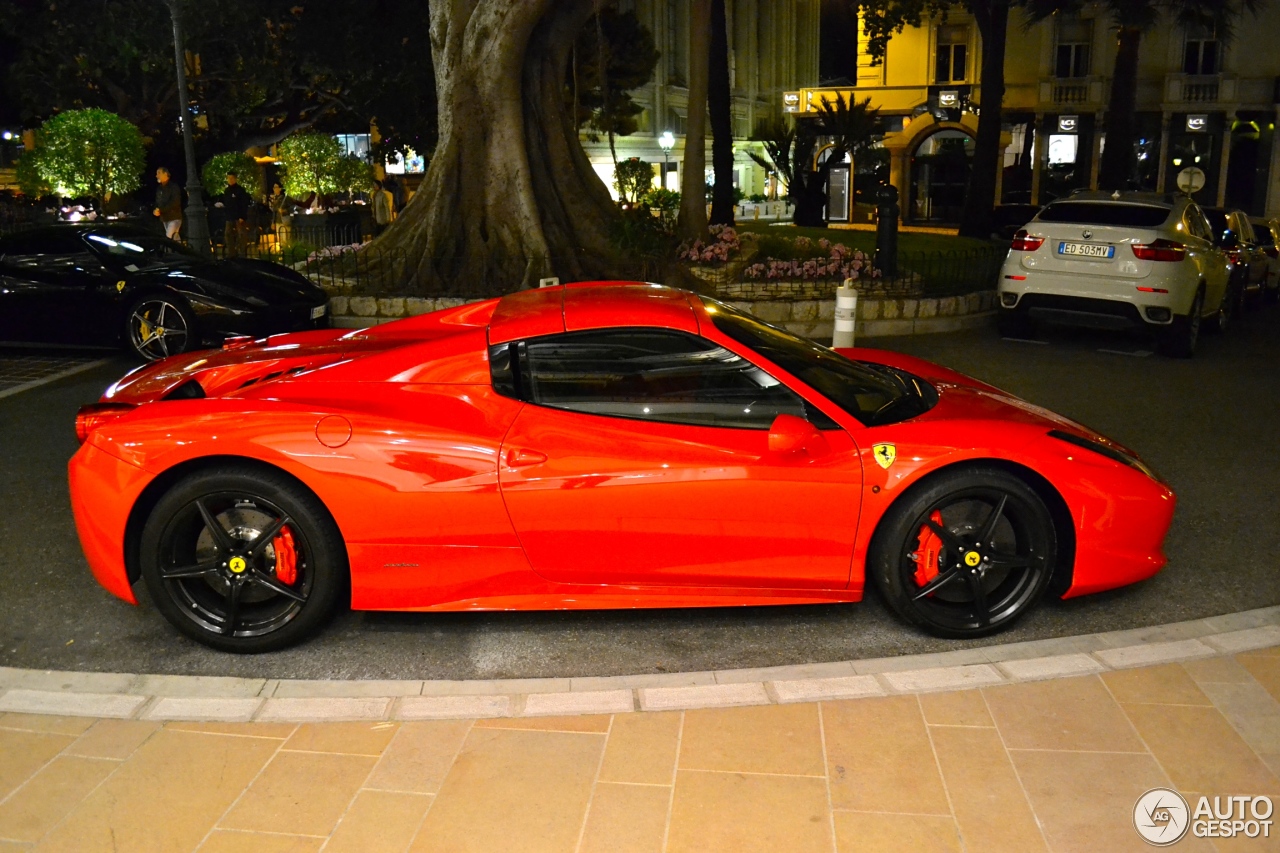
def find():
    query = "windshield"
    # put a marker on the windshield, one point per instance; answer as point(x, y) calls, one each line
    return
point(139, 249)
point(872, 393)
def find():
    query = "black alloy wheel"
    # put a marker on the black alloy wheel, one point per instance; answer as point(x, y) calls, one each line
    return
point(158, 327)
point(242, 560)
point(965, 555)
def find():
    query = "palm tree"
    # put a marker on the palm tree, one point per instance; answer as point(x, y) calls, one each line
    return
point(1132, 19)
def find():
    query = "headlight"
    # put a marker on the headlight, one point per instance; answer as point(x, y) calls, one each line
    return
point(1112, 453)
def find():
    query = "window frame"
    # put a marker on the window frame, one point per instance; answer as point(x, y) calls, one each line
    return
point(520, 387)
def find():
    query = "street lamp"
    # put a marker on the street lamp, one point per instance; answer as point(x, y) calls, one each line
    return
point(197, 223)
point(666, 142)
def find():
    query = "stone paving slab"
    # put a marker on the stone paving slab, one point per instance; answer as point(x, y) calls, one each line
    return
point(155, 697)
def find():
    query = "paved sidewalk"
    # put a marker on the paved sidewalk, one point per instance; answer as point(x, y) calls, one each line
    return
point(1039, 765)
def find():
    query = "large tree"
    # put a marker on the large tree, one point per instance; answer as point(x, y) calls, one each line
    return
point(510, 196)
point(883, 18)
point(1131, 20)
point(720, 114)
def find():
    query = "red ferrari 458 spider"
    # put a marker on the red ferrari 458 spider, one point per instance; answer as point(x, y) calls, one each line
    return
point(597, 445)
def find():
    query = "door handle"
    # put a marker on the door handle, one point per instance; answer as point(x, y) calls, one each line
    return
point(517, 458)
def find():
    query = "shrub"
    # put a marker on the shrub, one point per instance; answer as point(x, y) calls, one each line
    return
point(214, 174)
point(89, 153)
point(632, 179)
point(312, 162)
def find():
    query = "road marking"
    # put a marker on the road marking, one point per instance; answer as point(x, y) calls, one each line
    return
point(1138, 353)
point(1025, 341)
point(62, 374)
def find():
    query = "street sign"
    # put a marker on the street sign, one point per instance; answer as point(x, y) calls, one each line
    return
point(1191, 179)
point(808, 100)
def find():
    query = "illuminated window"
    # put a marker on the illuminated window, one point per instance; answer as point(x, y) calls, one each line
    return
point(1062, 148)
point(1074, 38)
point(952, 57)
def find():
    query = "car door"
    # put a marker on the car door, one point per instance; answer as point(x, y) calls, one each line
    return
point(642, 458)
point(53, 290)
point(1211, 261)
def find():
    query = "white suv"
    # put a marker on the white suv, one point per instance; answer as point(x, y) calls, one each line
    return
point(1123, 260)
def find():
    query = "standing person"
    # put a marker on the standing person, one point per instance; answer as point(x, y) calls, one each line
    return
point(168, 204)
point(384, 208)
point(235, 204)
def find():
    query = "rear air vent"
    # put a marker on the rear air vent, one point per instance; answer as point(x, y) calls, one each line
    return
point(189, 390)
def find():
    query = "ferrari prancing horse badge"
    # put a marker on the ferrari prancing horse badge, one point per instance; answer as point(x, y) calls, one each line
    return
point(885, 454)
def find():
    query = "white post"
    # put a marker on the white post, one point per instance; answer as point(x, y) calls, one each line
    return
point(846, 315)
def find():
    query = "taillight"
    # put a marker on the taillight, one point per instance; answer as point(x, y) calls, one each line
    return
point(94, 415)
point(1160, 250)
point(1023, 242)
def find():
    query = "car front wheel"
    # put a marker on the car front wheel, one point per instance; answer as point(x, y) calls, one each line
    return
point(158, 327)
point(966, 555)
point(242, 560)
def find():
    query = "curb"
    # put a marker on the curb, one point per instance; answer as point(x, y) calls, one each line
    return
point(204, 698)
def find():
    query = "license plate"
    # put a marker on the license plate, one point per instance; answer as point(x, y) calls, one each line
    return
point(1086, 250)
point(318, 312)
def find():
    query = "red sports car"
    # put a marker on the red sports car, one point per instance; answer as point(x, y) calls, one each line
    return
point(598, 445)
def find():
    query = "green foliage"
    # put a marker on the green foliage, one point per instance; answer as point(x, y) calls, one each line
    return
point(248, 175)
point(353, 175)
point(260, 69)
point(623, 47)
point(90, 153)
point(632, 179)
point(30, 175)
point(664, 205)
point(312, 163)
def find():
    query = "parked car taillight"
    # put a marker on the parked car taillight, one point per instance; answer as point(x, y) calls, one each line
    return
point(1023, 242)
point(1160, 250)
point(94, 415)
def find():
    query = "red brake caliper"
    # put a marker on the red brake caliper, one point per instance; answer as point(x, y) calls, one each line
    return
point(928, 551)
point(286, 556)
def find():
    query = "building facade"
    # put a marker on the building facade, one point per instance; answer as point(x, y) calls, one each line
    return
point(1202, 103)
point(773, 47)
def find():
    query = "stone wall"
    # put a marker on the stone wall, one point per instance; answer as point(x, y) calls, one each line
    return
point(813, 318)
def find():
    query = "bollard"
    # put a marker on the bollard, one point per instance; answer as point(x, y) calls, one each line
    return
point(887, 210)
point(846, 315)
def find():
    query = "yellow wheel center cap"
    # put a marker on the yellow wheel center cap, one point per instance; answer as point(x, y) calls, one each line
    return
point(237, 565)
point(972, 559)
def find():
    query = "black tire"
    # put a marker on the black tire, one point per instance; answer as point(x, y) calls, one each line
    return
point(1014, 324)
point(253, 605)
point(1014, 563)
point(1229, 310)
point(1179, 338)
point(158, 326)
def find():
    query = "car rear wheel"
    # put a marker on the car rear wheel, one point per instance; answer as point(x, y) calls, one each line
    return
point(242, 560)
point(966, 555)
point(1180, 337)
point(158, 327)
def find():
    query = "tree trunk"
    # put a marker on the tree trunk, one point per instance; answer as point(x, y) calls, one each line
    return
point(510, 195)
point(693, 183)
point(720, 107)
point(1116, 167)
point(976, 218)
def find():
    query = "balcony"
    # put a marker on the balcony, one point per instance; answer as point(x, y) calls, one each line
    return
point(1199, 89)
point(1072, 92)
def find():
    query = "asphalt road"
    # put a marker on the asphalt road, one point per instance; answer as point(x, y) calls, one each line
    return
point(1211, 426)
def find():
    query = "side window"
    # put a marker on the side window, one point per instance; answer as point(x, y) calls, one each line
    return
point(644, 374)
point(1195, 224)
point(1205, 229)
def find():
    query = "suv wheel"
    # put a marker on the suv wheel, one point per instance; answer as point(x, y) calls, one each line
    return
point(1179, 338)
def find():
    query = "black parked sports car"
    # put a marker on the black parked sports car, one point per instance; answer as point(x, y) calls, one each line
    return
point(116, 284)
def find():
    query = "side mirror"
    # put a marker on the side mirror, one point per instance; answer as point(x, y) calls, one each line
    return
point(1229, 240)
point(790, 434)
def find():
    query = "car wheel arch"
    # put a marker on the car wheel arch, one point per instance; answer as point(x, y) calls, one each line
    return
point(167, 479)
point(1063, 522)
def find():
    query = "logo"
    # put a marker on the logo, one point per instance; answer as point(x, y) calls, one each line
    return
point(237, 565)
point(1087, 234)
point(1161, 817)
point(972, 559)
point(884, 454)
point(119, 286)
